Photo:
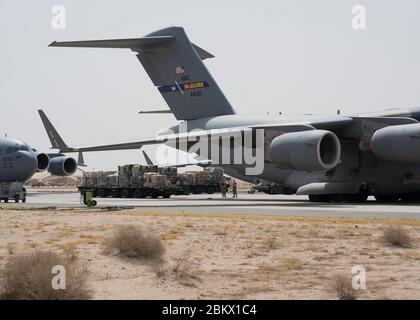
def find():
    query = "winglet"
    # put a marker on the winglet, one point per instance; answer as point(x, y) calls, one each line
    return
point(56, 141)
point(81, 160)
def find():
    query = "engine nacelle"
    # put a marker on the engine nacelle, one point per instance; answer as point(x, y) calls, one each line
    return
point(313, 150)
point(399, 143)
point(62, 166)
point(43, 162)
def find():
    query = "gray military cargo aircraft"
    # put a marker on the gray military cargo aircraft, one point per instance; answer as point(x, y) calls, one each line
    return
point(19, 162)
point(335, 158)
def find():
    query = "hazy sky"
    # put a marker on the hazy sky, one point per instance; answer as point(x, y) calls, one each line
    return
point(297, 57)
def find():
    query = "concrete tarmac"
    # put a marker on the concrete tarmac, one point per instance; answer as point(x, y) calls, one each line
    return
point(258, 203)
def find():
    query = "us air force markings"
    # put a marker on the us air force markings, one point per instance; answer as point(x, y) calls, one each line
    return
point(259, 204)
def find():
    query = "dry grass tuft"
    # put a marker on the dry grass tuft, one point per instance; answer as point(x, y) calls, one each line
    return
point(291, 263)
point(397, 236)
point(270, 244)
point(29, 277)
point(185, 267)
point(134, 242)
point(342, 285)
point(11, 248)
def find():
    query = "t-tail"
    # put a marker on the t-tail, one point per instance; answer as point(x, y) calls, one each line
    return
point(175, 67)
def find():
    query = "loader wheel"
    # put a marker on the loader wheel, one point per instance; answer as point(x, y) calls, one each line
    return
point(125, 193)
point(139, 194)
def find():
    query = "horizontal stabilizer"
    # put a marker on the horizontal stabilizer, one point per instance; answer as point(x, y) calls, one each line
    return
point(134, 43)
point(156, 112)
point(203, 54)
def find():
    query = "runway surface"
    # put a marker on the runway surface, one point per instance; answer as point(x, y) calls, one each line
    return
point(260, 204)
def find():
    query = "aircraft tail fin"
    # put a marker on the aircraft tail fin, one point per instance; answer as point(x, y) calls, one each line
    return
point(56, 141)
point(175, 67)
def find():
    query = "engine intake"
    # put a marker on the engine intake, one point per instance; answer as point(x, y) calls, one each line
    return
point(62, 166)
point(43, 162)
point(399, 143)
point(313, 150)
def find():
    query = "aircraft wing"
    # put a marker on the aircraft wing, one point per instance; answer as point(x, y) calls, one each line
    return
point(326, 123)
point(120, 146)
point(57, 141)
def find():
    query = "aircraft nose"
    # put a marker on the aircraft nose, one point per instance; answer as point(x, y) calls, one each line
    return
point(26, 164)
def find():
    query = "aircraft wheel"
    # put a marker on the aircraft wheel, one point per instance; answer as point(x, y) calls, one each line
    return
point(387, 199)
point(320, 198)
point(410, 198)
point(355, 198)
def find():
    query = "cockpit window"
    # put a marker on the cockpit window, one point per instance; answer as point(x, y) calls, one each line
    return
point(12, 149)
point(23, 148)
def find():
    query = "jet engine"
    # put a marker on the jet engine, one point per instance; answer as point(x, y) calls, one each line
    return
point(313, 150)
point(62, 166)
point(43, 162)
point(400, 143)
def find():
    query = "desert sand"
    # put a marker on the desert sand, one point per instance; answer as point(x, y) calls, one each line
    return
point(228, 256)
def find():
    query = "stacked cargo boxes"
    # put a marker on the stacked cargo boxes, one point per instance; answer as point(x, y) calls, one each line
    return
point(96, 178)
point(155, 180)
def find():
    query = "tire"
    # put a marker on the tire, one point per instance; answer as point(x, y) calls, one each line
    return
point(139, 194)
point(101, 193)
point(413, 198)
point(125, 193)
point(320, 198)
point(6, 200)
point(115, 193)
point(387, 198)
point(354, 198)
point(17, 199)
point(166, 195)
point(93, 203)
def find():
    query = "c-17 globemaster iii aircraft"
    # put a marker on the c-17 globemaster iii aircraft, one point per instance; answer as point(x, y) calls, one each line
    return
point(333, 158)
point(19, 162)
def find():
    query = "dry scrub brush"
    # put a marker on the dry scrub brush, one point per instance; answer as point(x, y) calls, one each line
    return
point(29, 277)
point(397, 236)
point(342, 285)
point(134, 242)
